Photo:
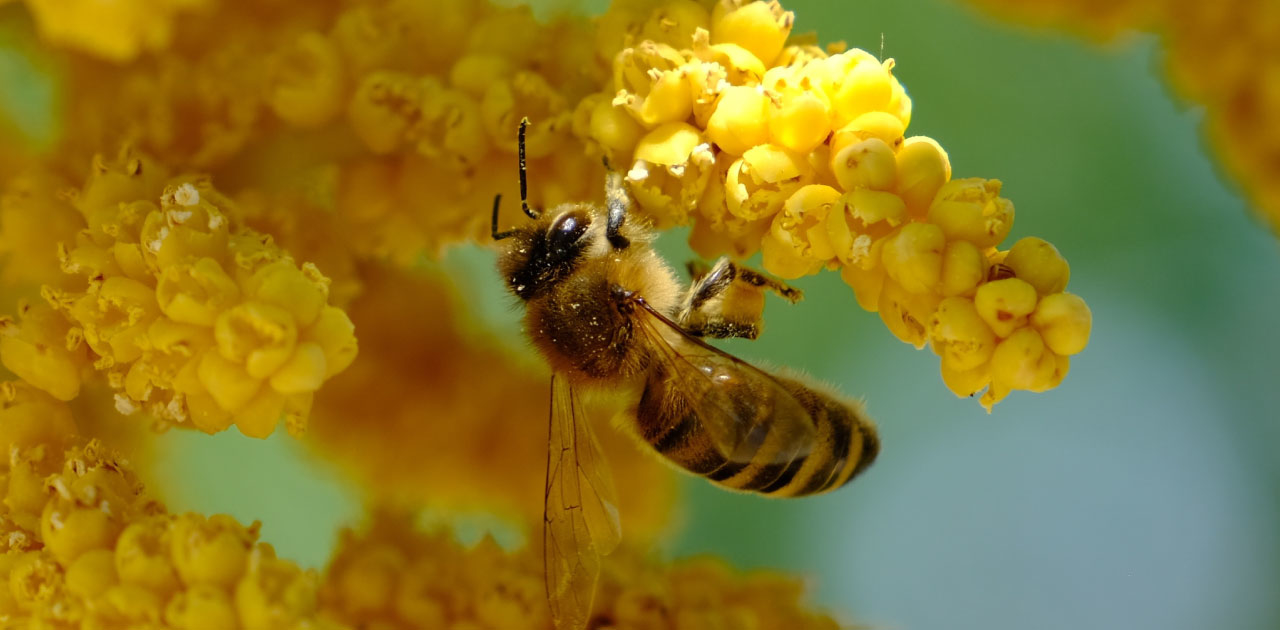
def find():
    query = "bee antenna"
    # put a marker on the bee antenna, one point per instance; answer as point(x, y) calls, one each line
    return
point(524, 175)
point(497, 236)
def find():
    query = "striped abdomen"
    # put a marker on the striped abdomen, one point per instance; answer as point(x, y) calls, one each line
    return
point(751, 431)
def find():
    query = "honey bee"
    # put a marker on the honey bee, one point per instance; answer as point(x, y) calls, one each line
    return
point(606, 312)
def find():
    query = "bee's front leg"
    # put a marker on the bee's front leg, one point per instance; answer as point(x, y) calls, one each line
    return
point(727, 300)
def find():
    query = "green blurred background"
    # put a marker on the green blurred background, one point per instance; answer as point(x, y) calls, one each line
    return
point(1142, 493)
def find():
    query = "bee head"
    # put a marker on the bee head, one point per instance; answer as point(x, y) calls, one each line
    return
point(547, 249)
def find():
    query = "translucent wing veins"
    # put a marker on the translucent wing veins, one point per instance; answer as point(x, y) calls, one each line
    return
point(580, 515)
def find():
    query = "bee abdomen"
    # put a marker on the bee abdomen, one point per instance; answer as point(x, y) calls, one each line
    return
point(669, 423)
point(845, 443)
point(773, 457)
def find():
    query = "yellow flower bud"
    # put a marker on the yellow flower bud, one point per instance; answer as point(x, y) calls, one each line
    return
point(913, 257)
point(367, 580)
point(781, 258)
point(259, 335)
point(368, 37)
point(866, 164)
point(196, 293)
point(1005, 304)
point(305, 81)
point(652, 84)
point(739, 121)
point(1022, 362)
point(453, 130)
point(674, 22)
point(800, 54)
point(201, 607)
point(205, 412)
point(758, 183)
point(1049, 380)
point(30, 417)
point(857, 226)
point(615, 130)
point(741, 66)
point(960, 336)
point(923, 168)
point(797, 244)
point(92, 573)
point(115, 33)
point(972, 209)
point(760, 27)
point(26, 496)
point(799, 113)
point(301, 292)
point(907, 314)
point(69, 529)
point(869, 125)
point(133, 604)
point(38, 351)
point(383, 109)
point(511, 31)
point(226, 382)
point(303, 372)
point(475, 72)
point(142, 555)
point(258, 417)
point(177, 338)
point(866, 87)
point(1065, 322)
point(900, 102)
point(35, 576)
point(672, 167)
point(706, 81)
point(274, 593)
point(963, 268)
point(965, 383)
point(526, 94)
point(210, 551)
point(1038, 262)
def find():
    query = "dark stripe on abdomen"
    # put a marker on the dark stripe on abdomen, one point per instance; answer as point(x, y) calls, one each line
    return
point(677, 435)
point(787, 475)
point(841, 435)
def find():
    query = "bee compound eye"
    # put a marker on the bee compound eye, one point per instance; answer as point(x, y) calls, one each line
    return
point(567, 230)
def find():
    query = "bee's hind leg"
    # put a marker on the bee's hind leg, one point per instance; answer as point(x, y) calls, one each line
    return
point(727, 300)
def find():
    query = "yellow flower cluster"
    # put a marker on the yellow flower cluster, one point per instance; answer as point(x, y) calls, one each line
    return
point(1220, 54)
point(406, 108)
point(189, 315)
point(458, 423)
point(114, 31)
point(802, 153)
point(84, 547)
point(390, 576)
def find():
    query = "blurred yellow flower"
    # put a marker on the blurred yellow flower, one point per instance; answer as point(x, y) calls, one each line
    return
point(117, 32)
point(1219, 54)
point(388, 575)
point(84, 546)
point(189, 314)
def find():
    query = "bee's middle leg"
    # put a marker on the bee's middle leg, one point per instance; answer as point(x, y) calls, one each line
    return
point(727, 300)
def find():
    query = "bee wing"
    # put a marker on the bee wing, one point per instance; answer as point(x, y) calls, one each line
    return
point(729, 396)
point(580, 515)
